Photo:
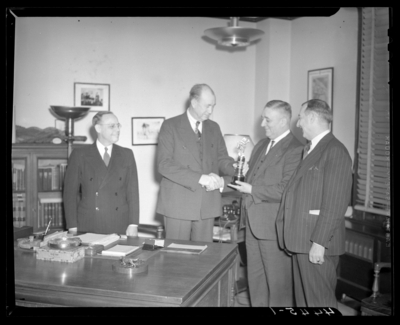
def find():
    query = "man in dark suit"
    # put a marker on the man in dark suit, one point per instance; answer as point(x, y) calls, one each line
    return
point(191, 154)
point(101, 184)
point(310, 220)
point(271, 165)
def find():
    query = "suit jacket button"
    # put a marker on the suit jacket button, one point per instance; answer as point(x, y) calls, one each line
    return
point(116, 208)
point(97, 193)
point(116, 193)
point(91, 178)
point(97, 208)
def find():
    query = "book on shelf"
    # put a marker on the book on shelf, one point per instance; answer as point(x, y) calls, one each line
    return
point(185, 249)
point(50, 207)
point(119, 250)
point(19, 210)
point(63, 169)
point(51, 177)
point(18, 177)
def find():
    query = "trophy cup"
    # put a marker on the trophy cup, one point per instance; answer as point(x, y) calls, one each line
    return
point(241, 146)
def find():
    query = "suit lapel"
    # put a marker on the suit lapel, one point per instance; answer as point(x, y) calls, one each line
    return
point(314, 156)
point(273, 155)
point(188, 137)
point(114, 165)
point(277, 151)
point(256, 157)
point(97, 163)
point(208, 139)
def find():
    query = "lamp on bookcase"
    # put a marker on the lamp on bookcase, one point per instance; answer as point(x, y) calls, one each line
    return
point(70, 114)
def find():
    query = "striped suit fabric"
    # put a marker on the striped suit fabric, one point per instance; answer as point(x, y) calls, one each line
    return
point(312, 210)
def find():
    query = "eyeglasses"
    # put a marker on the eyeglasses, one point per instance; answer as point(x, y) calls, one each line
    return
point(113, 126)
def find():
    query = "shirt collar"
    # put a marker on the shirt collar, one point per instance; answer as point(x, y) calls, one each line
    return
point(277, 139)
point(101, 147)
point(317, 139)
point(193, 121)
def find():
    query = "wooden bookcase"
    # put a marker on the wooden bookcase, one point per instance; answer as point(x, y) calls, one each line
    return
point(38, 174)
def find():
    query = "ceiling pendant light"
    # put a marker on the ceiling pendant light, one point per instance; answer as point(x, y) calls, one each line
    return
point(234, 36)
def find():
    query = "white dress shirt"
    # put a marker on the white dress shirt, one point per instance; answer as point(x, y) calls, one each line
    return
point(101, 149)
point(317, 139)
point(193, 121)
point(277, 139)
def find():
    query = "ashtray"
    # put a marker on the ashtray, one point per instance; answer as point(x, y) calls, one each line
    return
point(130, 266)
point(64, 243)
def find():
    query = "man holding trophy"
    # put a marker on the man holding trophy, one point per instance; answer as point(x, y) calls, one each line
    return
point(271, 165)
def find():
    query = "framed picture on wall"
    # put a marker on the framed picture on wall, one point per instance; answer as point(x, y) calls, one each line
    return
point(320, 85)
point(95, 96)
point(145, 130)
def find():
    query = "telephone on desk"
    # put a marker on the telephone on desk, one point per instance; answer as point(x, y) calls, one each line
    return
point(230, 213)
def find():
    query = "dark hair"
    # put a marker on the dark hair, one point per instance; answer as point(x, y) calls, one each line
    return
point(97, 118)
point(285, 107)
point(320, 107)
point(196, 90)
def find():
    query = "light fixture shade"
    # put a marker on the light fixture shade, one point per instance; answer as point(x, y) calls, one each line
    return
point(234, 36)
point(232, 140)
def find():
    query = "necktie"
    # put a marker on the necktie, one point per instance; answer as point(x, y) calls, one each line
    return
point(306, 149)
point(270, 147)
point(106, 157)
point(197, 129)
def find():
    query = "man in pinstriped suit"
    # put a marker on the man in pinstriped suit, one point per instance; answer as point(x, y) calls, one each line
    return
point(310, 220)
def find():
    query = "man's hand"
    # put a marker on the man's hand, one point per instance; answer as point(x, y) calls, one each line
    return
point(73, 230)
point(316, 254)
point(242, 187)
point(218, 182)
point(211, 182)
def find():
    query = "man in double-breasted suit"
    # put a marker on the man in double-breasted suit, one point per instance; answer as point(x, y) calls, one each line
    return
point(101, 192)
point(271, 165)
point(191, 154)
point(310, 221)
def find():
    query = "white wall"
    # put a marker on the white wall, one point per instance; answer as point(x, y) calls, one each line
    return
point(322, 43)
point(272, 68)
point(150, 63)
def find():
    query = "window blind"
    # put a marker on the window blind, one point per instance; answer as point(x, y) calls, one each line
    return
point(373, 170)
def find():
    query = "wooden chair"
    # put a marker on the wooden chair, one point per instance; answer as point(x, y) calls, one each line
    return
point(377, 304)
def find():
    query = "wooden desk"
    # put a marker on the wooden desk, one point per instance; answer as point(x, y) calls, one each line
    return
point(172, 280)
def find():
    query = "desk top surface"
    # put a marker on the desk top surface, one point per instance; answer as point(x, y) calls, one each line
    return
point(171, 277)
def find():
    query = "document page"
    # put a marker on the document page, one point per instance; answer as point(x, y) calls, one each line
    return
point(98, 239)
point(187, 249)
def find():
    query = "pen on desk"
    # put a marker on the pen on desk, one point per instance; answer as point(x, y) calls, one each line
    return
point(47, 227)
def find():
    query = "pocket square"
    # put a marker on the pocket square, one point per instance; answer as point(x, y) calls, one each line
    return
point(314, 212)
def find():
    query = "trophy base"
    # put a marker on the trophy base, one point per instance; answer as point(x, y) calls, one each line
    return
point(237, 178)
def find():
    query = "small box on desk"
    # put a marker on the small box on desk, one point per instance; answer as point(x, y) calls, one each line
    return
point(22, 232)
point(57, 255)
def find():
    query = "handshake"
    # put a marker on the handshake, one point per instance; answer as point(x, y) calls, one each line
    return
point(211, 182)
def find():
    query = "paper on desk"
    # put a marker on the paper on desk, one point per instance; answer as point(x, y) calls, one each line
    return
point(195, 247)
point(119, 250)
point(98, 239)
point(186, 249)
point(159, 242)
